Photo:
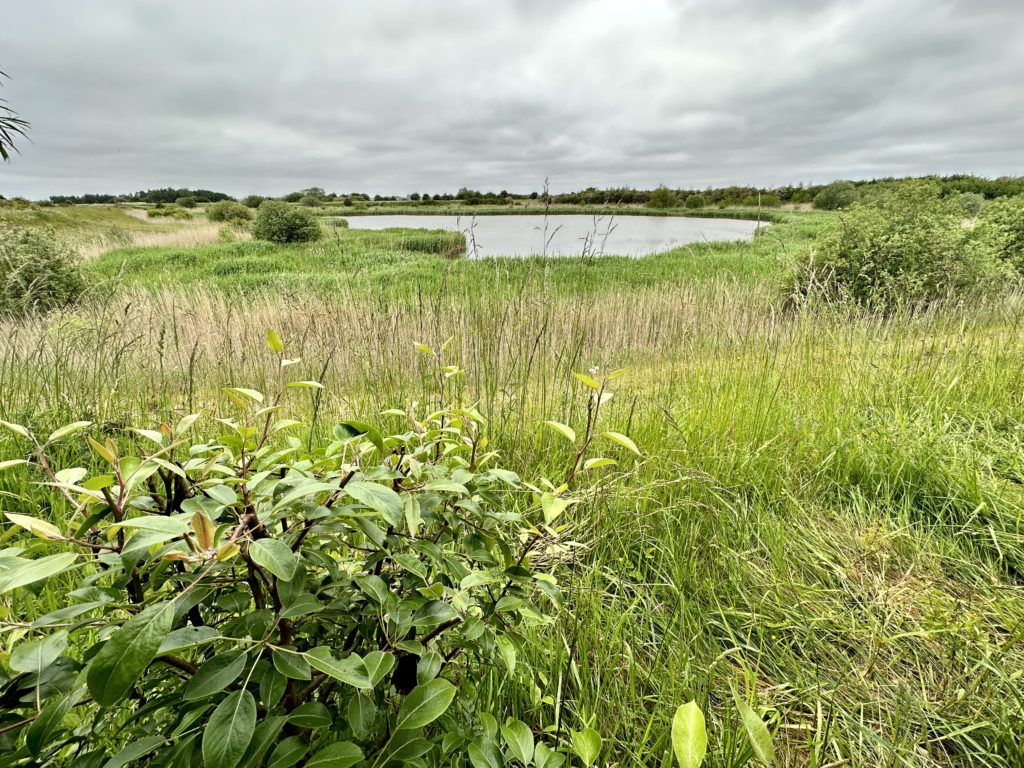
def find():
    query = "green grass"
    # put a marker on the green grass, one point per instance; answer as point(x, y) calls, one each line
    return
point(828, 516)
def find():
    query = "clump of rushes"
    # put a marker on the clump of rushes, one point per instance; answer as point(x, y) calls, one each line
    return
point(218, 601)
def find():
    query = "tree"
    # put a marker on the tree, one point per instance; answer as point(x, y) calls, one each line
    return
point(662, 197)
point(11, 126)
point(837, 195)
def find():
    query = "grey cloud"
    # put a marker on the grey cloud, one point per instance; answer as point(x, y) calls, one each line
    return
point(401, 95)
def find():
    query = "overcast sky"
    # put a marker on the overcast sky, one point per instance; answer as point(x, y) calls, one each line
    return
point(396, 96)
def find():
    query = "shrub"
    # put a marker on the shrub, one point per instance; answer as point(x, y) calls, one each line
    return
point(1001, 225)
point(229, 211)
point(909, 248)
point(971, 203)
point(38, 273)
point(216, 599)
point(186, 202)
point(253, 201)
point(696, 201)
point(837, 195)
point(662, 197)
point(279, 222)
point(168, 211)
point(309, 201)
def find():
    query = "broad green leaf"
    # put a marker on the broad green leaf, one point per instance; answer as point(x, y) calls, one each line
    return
point(562, 429)
point(689, 737)
point(589, 381)
point(350, 671)
point(16, 429)
point(135, 750)
point(150, 434)
point(379, 498)
point(229, 730)
point(274, 343)
point(484, 754)
point(174, 525)
point(312, 714)
point(68, 429)
point(757, 732)
point(214, 675)
point(291, 664)
point(274, 555)
point(39, 733)
point(12, 463)
point(361, 712)
point(185, 424)
point(598, 462)
point(425, 704)
point(621, 439)
point(25, 572)
point(288, 752)
point(40, 528)
point(123, 658)
point(248, 394)
point(305, 385)
point(341, 754)
point(187, 637)
point(36, 655)
point(553, 507)
point(587, 745)
point(545, 757)
point(378, 664)
point(519, 739)
point(265, 735)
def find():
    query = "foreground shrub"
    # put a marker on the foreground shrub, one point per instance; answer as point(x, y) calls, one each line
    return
point(279, 222)
point(216, 601)
point(37, 272)
point(836, 196)
point(230, 212)
point(909, 248)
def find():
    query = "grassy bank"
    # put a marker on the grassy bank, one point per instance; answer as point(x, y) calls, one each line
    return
point(827, 515)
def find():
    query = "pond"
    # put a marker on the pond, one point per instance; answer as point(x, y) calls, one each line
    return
point(571, 235)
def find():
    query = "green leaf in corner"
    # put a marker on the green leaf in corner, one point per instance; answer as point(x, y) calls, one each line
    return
point(589, 381)
point(379, 498)
point(757, 732)
point(123, 658)
point(274, 555)
point(40, 528)
point(562, 429)
point(587, 745)
point(229, 730)
point(30, 571)
point(350, 670)
point(553, 507)
point(689, 736)
point(425, 704)
point(621, 439)
point(68, 429)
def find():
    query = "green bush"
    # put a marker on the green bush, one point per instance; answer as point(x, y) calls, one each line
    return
point(168, 211)
point(971, 203)
point(909, 248)
point(1001, 225)
point(229, 211)
point(662, 197)
point(279, 222)
point(216, 601)
point(38, 273)
point(186, 202)
point(309, 201)
point(836, 196)
point(696, 201)
point(253, 201)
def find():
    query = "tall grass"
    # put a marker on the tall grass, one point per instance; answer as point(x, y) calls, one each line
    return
point(828, 514)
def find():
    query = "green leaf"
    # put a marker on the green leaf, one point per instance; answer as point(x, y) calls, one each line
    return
point(312, 714)
point(134, 751)
point(484, 754)
point(288, 752)
point(519, 739)
point(215, 675)
point(25, 572)
point(621, 439)
point(49, 720)
point(378, 664)
point(599, 462)
point(229, 730)
point(361, 712)
point(68, 429)
point(16, 429)
point(589, 381)
point(265, 735)
point(37, 655)
point(425, 704)
point(587, 745)
point(757, 732)
point(552, 506)
point(40, 528)
point(274, 555)
point(274, 343)
point(187, 637)
point(123, 658)
point(545, 757)
point(379, 498)
point(291, 664)
point(341, 754)
point(350, 671)
point(12, 463)
point(565, 431)
point(248, 394)
point(689, 737)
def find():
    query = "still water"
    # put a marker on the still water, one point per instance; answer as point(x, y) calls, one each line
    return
point(571, 235)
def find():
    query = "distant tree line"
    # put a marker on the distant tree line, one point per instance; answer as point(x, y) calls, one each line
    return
point(837, 194)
